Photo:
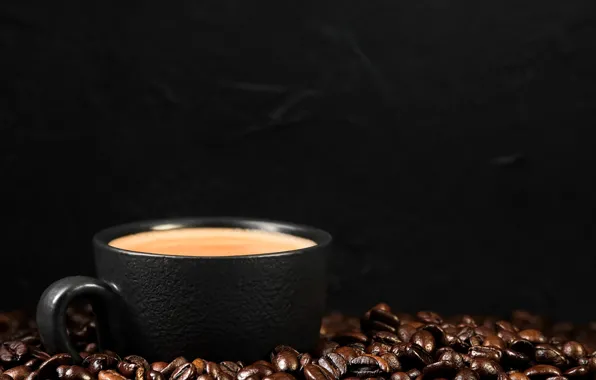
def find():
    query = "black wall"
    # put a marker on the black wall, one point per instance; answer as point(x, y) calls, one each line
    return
point(448, 145)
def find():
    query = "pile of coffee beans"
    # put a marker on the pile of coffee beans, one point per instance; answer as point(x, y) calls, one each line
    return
point(382, 344)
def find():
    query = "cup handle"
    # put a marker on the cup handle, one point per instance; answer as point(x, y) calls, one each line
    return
point(51, 311)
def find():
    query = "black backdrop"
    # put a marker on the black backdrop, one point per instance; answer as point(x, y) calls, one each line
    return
point(447, 144)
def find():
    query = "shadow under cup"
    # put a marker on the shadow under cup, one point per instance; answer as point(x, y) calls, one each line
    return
point(217, 308)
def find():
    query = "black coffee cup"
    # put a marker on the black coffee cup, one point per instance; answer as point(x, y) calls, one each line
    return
point(220, 308)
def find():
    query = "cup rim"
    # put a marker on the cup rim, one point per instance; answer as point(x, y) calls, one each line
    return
point(320, 237)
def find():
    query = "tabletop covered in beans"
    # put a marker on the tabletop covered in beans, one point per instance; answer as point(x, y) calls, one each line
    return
point(383, 344)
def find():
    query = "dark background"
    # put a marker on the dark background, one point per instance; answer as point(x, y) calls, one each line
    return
point(447, 145)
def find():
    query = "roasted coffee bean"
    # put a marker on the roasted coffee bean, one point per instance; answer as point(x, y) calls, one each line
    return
point(547, 354)
point(533, 335)
point(32, 376)
point(264, 363)
point(557, 378)
point(574, 350)
point(411, 356)
point(325, 346)
point(514, 375)
point(335, 364)
point(98, 362)
point(360, 348)
point(524, 346)
point(405, 332)
point(158, 366)
point(348, 353)
point(414, 373)
point(466, 374)
point(153, 375)
point(377, 348)
point(485, 368)
point(279, 376)
point(506, 325)
point(185, 372)
point(368, 366)
point(19, 372)
point(305, 359)
point(541, 371)
point(201, 365)
point(76, 372)
point(449, 328)
point(315, 372)
point(466, 333)
point(392, 361)
point(514, 360)
point(447, 354)
point(47, 369)
point(286, 361)
point(485, 352)
point(205, 376)
point(228, 367)
point(130, 365)
point(110, 374)
point(468, 320)
point(429, 317)
point(507, 336)
point(33, 363)
point(476, 340)
point(380, 320)
point(174, 364)
point(483, 331)
point(424, 339)
point(12, 351)
point(399, 376)
point(577, 371)
point(439, 370)
point(436, 331)
point(256, 369)
point(386, 337)
point(348, 337)
point(494, 341)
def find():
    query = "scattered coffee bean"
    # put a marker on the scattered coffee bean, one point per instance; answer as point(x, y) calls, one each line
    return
point(439, 370)
point(547, 354)
point(485, 368)
point(533, 335)
point(405, 332)
point(424, 339)
point(414, 373)
point(110, 374)
point(286, 361)
point(580, 371)
point(429, 317)
point(466, 374)
point(98, 362)
point(47, 369)
point(76, 372)
point(305, 359)
point(348, 353)
point(201, 365)
point(205, 376)
point(399, 376)
point(185, 372)
point(335, 364)
point(19, 372)
point(315, 372)
point(574, 350)
point(518, 376)
point(392, 361)
point(348, 337)
point(279, 376)
point(170, 368)
point(542, 371)
point(494, 341)
point(153, 375)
